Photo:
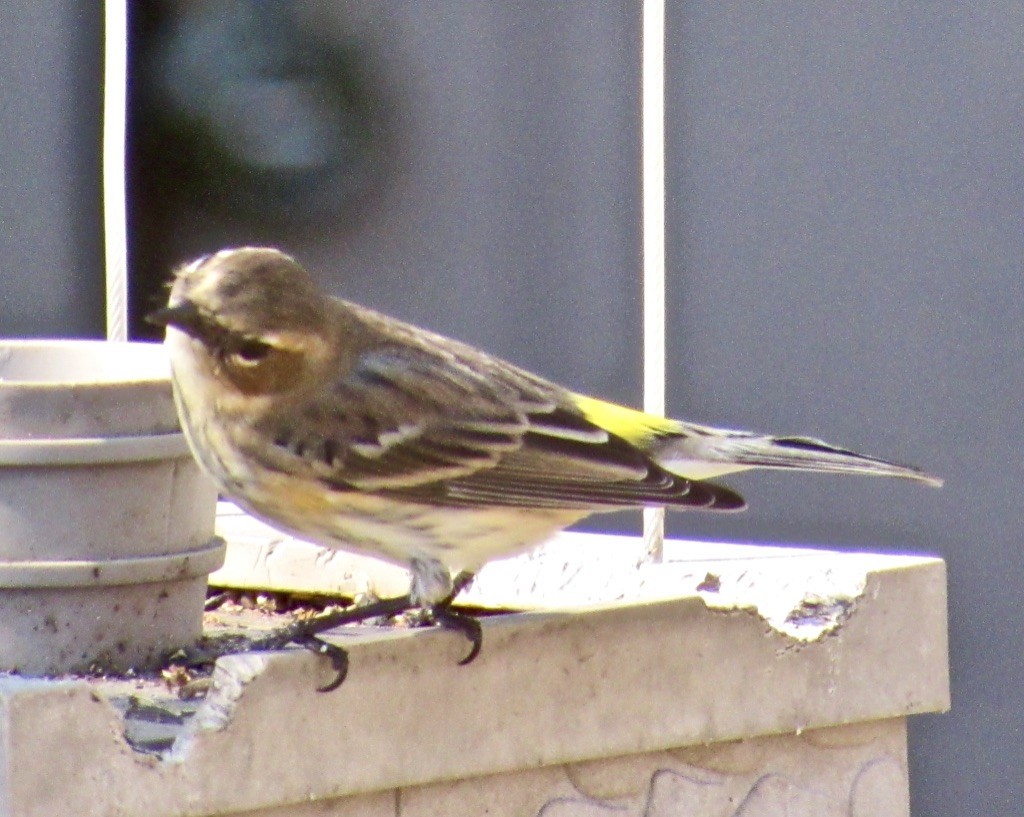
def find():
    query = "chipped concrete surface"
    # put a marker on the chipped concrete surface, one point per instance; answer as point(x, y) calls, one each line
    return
point(803, 593)
point(720, 643)
point(228, 684)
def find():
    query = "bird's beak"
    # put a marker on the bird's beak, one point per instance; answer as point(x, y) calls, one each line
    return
point(183, 315)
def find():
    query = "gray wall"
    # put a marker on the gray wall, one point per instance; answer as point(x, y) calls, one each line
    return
point(513, 220)
point(845, 200)
point(847, 203)
point(51, 241)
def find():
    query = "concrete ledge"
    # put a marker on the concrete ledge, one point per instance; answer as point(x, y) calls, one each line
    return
point(845, 771)
point(260, 556)
point(550, 688)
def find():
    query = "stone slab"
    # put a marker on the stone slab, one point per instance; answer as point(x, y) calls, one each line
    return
point(549, 689)
point(858, 770)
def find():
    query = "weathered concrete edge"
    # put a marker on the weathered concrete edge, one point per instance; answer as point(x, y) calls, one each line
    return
point(549, 688)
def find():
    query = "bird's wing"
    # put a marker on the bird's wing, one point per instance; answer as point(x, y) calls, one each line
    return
point(433, 426)
point(554, 471)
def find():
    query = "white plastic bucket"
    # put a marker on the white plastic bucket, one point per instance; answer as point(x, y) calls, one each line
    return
point(106, 522)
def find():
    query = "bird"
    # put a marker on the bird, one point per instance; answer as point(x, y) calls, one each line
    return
point(354, 430)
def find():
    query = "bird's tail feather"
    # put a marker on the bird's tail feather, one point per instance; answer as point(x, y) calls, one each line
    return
point(702, 453)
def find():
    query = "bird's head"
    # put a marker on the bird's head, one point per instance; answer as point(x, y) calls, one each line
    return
point(250, 316)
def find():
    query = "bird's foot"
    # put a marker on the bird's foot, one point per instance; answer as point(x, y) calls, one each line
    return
point(443, 615)
point(464, 623)
point(307, 632)
point(338, 656)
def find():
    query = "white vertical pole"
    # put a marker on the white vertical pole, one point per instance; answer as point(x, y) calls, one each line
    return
point(653, 185)
point(115, 214)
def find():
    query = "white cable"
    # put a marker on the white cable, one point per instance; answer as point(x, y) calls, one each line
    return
point(653, 186)
point(115, 215)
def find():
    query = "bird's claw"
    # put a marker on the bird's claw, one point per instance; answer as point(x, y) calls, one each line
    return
point(338, 657)
point(306, 633)
point(465, 624)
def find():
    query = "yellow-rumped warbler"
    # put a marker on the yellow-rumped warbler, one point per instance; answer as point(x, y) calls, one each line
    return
point(354, 430)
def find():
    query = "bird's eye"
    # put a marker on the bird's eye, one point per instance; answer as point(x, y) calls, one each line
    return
point(255, 366)
point(251, 352)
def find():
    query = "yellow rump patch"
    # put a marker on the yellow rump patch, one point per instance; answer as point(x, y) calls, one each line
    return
point(634, 426)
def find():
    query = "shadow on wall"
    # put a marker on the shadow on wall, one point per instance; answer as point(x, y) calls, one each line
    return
point(248, 122)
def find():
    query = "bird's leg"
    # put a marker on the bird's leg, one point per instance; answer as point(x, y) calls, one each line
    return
point(450, 619)
point(306, 633)
point(462, 580)
point(433, 589)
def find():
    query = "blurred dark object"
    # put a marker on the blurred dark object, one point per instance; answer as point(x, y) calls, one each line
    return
point(250, 125)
